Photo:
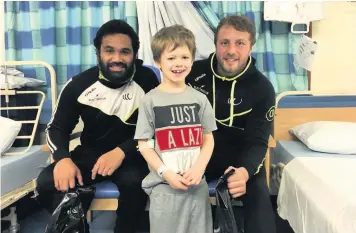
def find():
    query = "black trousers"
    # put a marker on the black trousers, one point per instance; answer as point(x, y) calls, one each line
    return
point(127, 177)
point(257, 206)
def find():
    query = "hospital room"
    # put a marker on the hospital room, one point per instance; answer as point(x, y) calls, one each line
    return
point(178, 116)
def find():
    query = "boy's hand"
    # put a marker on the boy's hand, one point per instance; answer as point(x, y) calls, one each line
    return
point(175, 181)
point(193, 175)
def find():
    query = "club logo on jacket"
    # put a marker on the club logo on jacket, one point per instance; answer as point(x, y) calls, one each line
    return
point(270, 113)
point(199, 77)
point(90, 91)
point(97, 97)
point(233, 102)
point(127, 96)
point(200, 89)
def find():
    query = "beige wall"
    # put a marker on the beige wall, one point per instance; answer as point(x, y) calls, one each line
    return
point(334, 67)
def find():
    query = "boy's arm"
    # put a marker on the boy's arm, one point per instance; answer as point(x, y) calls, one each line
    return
point(206, 114)
point(196, 172)
point(209, 125)
point(149, 154)
point(205, 152)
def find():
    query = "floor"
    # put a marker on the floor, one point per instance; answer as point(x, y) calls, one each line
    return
point(32, 219)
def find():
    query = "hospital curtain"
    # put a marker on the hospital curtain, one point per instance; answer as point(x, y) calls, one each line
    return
point(275, 46)
point(154, 15)
point(60, 33)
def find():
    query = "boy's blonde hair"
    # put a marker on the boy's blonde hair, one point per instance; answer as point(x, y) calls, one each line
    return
point(173, 36)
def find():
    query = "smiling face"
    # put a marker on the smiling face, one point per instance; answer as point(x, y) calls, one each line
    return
point(233, 49)
point(116, 58)
point(175, 64)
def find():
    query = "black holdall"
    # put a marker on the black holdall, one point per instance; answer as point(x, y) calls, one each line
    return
point(70, 215)
point(224, 215)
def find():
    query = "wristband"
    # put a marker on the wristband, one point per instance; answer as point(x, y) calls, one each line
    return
point(161, 170)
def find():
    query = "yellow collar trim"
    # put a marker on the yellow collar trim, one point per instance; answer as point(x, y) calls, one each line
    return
point(101, 76)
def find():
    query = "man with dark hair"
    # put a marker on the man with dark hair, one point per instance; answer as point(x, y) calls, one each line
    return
point(243, 100)
point(106, 97)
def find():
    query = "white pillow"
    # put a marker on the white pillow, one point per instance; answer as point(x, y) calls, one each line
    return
point(9, 131)
point(327, 136)
point(16, 82)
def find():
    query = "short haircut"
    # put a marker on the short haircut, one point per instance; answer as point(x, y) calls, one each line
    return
point(117, 27)
point(173, 36)
point(240, 23)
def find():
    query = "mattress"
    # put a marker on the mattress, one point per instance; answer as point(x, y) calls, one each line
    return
point(17, 170)
point(286, 151)
point(317, 194)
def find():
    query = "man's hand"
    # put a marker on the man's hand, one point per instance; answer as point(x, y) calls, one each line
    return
point(64, 173)
point(193, 175)
point(108, 163)
point(175, 181)
point(237, 181)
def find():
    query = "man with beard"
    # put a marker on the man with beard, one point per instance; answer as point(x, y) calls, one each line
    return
point(106, 97)
point(243, 100)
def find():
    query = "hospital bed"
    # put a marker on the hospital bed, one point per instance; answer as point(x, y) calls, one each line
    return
point(316, 190)
point(20, 166)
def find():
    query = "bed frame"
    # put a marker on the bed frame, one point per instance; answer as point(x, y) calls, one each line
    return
point(286, 118)
point(30, 121)
point(13, 196)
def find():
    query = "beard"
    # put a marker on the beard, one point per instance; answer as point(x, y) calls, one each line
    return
point(231, 71)
point(117, 77)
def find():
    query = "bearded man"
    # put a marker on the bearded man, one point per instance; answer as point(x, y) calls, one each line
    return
point(243, 101)
point(106, 98)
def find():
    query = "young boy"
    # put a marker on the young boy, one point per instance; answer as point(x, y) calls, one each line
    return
point(181, 121)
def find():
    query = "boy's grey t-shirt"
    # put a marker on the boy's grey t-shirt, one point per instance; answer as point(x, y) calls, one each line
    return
point(177, 122)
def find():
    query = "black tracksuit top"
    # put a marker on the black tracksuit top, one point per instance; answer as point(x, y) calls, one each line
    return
point(244, 109)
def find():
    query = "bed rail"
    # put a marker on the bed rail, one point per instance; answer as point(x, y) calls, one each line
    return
point(38, 107)
point(34, 122)
point(39, 63)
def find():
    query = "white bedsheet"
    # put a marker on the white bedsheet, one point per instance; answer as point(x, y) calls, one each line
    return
point(318, 195)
